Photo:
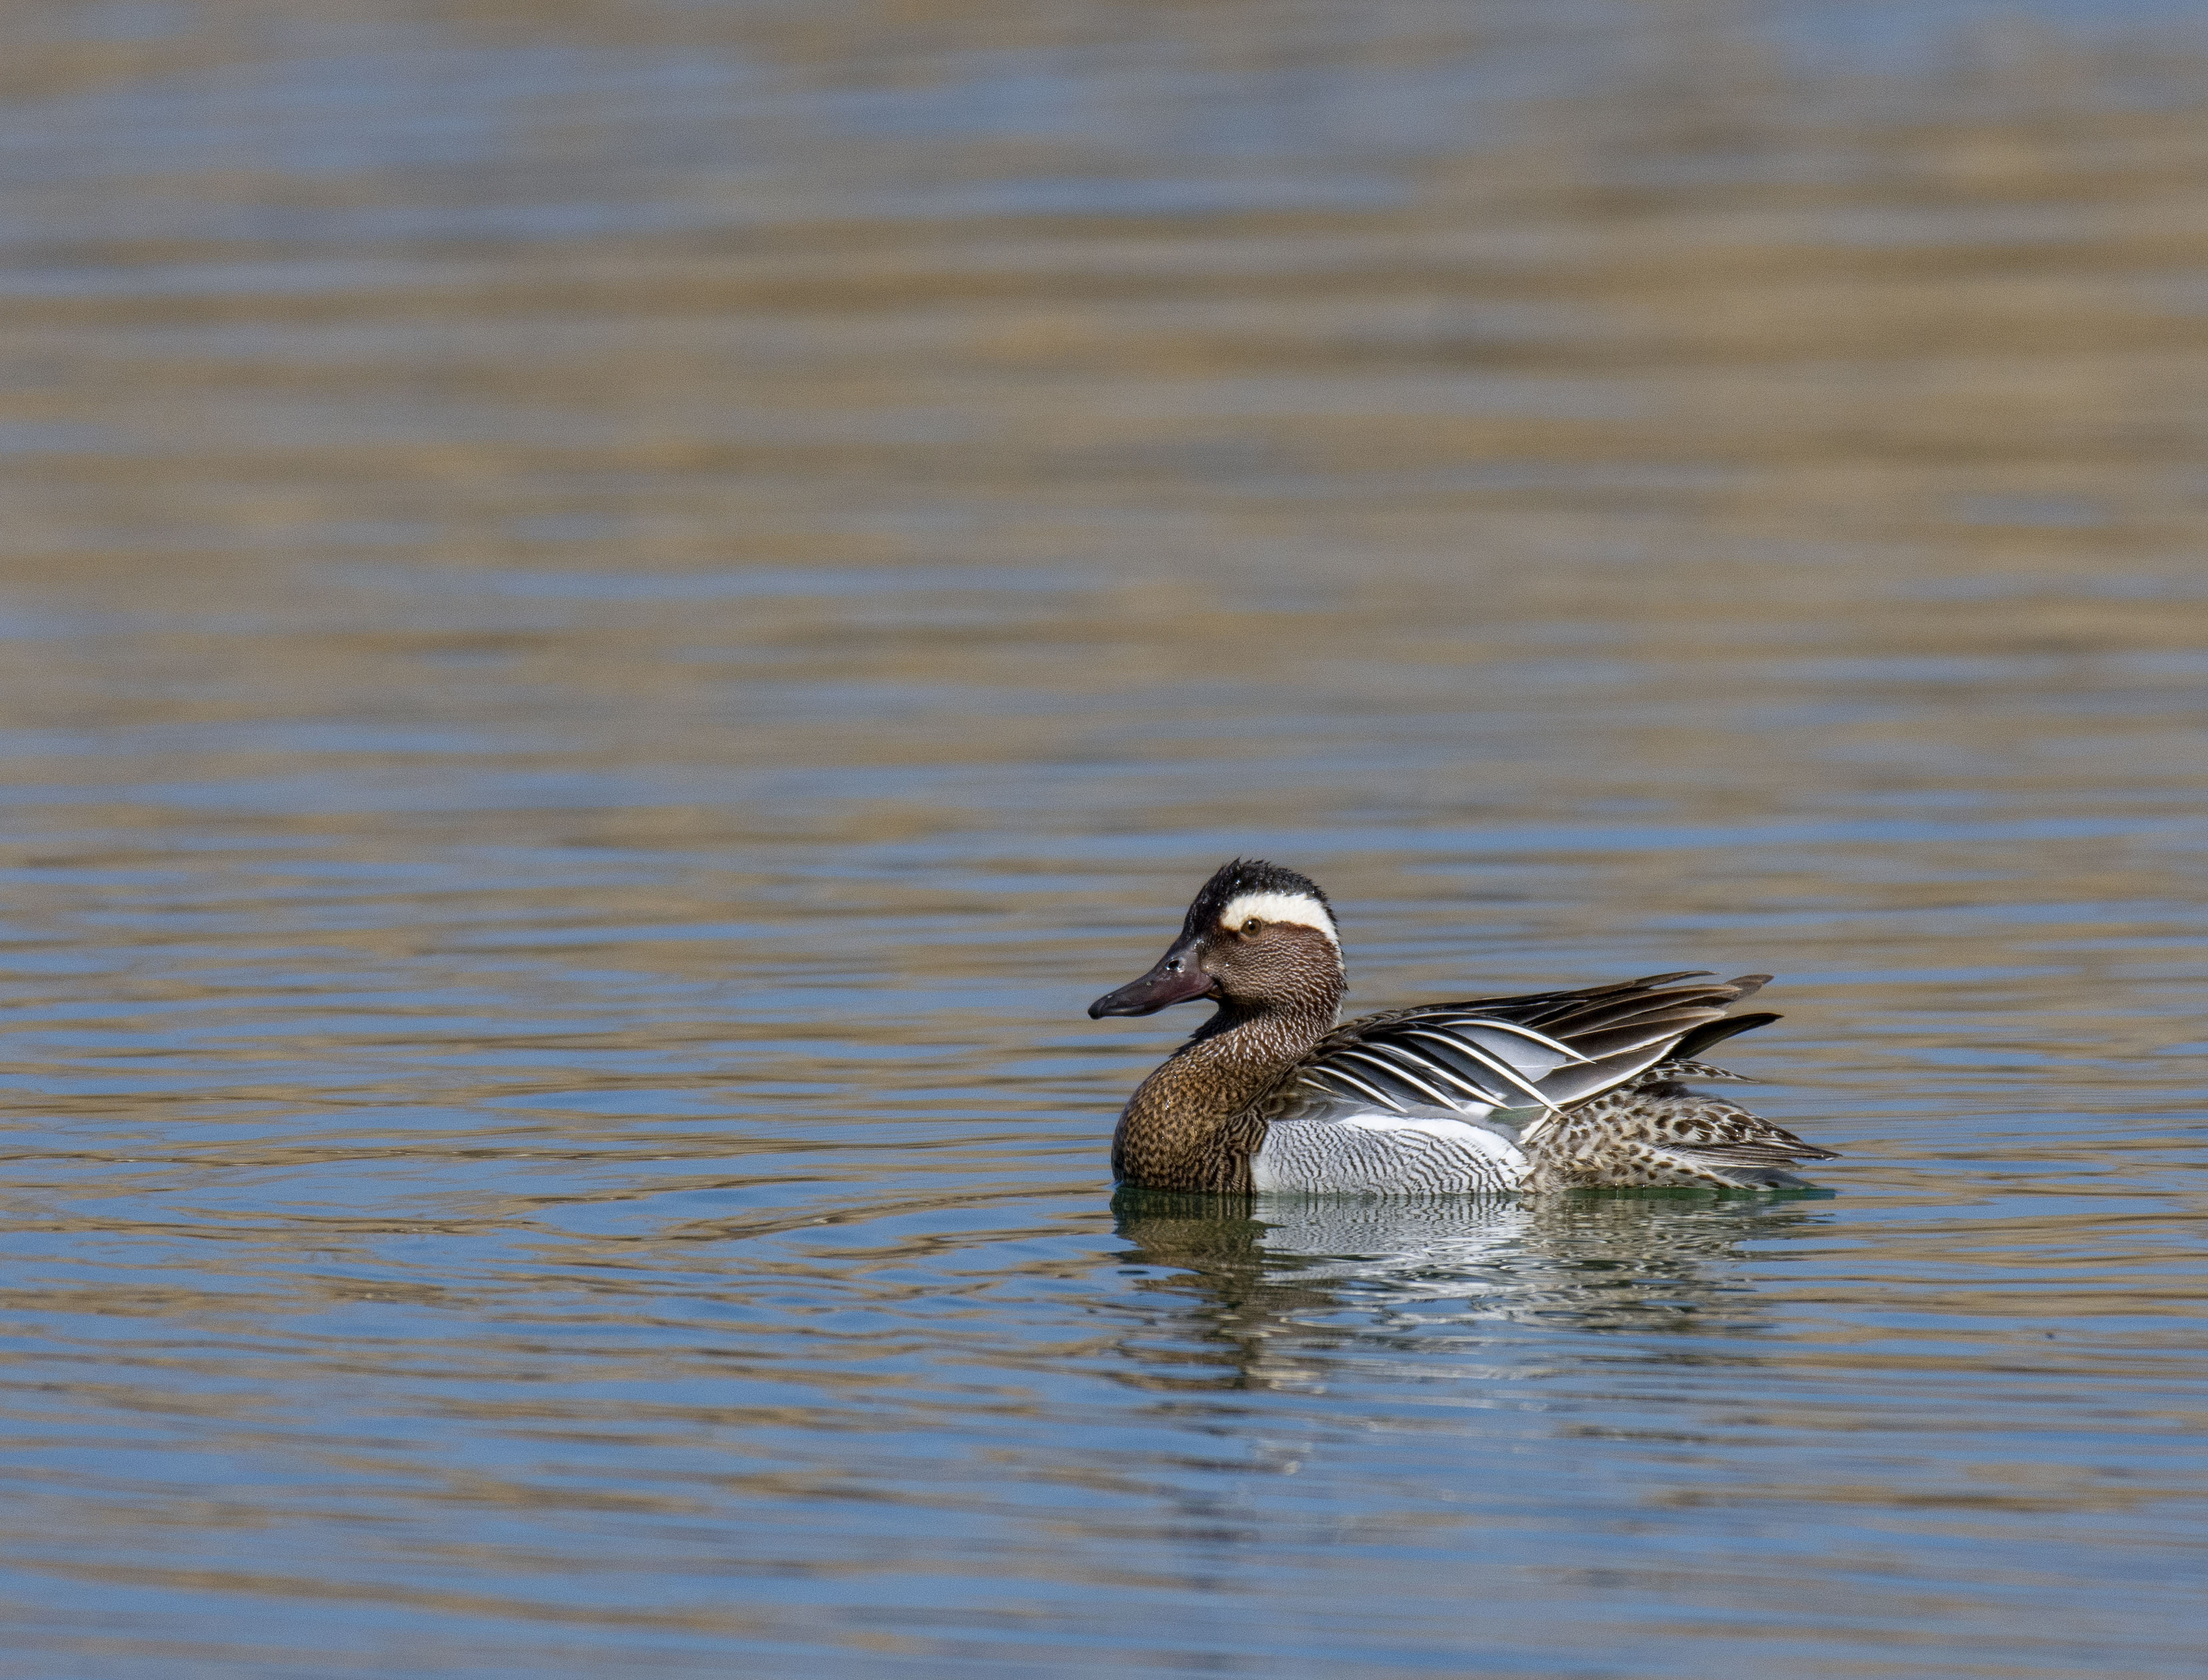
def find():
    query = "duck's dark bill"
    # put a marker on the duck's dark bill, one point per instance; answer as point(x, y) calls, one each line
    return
point(1176, 979)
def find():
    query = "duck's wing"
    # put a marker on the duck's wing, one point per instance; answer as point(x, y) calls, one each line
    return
point(1545, 1050)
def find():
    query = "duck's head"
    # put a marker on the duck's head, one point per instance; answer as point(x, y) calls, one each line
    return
point(1257, 937)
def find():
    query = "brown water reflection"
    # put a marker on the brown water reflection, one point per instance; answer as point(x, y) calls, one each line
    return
point(615, 613)
point(1281, 1281)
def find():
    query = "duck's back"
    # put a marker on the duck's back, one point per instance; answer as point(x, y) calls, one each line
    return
point(1434, 1099)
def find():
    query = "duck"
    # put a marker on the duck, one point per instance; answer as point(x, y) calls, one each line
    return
point(1546, 1091)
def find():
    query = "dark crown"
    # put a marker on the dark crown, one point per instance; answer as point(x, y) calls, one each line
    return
point(1245, 875)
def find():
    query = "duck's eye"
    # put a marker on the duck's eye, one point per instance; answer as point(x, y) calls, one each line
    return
point(1253, 925)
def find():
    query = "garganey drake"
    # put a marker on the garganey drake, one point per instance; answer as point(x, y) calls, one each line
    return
point(1553, 1090)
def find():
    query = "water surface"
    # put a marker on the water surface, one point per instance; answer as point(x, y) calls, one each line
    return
point(615, 613)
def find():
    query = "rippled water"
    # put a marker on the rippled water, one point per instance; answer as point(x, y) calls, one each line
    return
point(615, 613)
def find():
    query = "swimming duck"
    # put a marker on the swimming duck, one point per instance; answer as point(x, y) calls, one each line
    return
point(1552, 1090)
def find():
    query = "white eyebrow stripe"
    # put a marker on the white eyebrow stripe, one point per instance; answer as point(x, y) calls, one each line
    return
point(1300, 907)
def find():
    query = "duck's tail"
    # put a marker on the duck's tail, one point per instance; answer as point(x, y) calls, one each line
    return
point(1653, 1130)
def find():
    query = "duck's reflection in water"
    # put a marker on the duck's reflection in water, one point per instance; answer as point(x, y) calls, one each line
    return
point(1273, 1285)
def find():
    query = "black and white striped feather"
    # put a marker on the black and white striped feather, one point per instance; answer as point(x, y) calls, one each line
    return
point(1546, 1051)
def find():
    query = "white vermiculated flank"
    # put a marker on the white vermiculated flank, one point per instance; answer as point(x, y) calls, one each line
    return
point(1300, 907)
point(1426, 1153)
